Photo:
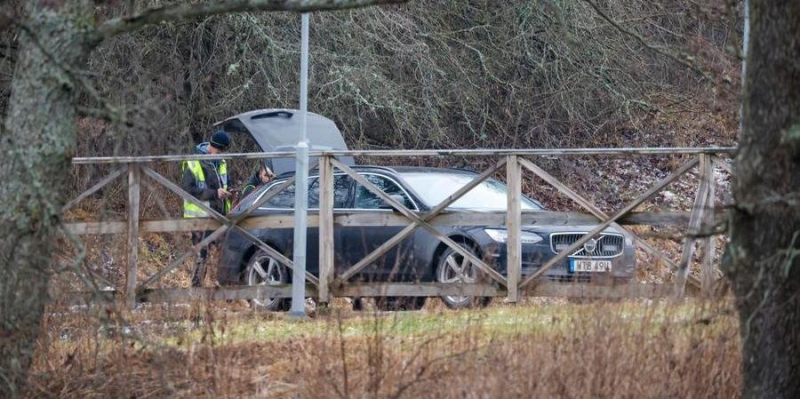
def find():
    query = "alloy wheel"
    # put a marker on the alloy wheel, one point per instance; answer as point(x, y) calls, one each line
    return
point(264, 270)
point(457, 269)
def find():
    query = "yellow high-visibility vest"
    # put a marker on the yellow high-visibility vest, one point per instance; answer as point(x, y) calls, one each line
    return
point(190, 210)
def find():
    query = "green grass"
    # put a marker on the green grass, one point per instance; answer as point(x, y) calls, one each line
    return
point(496, 321)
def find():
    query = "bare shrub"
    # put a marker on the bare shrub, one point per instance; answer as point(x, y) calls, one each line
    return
point(548, 349)
point(432, 74)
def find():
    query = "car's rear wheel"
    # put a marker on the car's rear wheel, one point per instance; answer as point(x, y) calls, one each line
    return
point(263, 269)
point(455, 268)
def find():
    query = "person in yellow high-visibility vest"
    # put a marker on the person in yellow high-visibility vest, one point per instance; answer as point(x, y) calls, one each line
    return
point(208, 182)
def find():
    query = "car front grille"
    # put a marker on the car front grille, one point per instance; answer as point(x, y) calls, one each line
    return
point(608, 245)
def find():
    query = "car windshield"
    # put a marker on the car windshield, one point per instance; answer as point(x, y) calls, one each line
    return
point(433, 188)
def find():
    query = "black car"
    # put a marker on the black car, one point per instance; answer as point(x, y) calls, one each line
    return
point(421, 257)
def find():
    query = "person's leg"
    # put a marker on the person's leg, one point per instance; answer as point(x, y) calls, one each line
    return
point(199, 272)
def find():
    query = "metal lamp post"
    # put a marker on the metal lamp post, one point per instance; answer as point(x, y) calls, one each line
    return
point(298, 308)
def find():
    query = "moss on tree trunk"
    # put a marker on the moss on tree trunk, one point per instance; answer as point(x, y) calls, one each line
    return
point(38, 139)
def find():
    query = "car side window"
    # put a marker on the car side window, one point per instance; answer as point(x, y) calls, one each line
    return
point(366, 199)
point(341, 191)
point(313, 193)
point(284, 199)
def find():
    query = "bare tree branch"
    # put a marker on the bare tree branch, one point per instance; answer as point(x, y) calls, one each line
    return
point(681, 58)
point(108, 111)
point(185, 10)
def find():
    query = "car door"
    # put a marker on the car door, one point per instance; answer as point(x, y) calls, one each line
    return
point(283, 203)
point(342, 198)
point(358, 242)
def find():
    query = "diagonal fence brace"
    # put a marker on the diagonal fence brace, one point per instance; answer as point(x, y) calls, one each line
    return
point(102, 183)
point(400, 236)
point(222, 219)
point(264, 199)
point(602, 226)
point(419, 222)
point(593, 209)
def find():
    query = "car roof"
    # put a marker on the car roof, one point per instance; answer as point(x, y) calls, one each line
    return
point(398, 170)
point(426, 169)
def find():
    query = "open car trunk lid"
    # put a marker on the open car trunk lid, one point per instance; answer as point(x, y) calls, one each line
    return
point(278, 129)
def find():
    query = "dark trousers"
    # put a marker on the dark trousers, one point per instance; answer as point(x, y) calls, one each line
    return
point(200, 265)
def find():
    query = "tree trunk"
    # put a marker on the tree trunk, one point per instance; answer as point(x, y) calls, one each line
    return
point(763, 258)
point(36, 144)
point(38, 139)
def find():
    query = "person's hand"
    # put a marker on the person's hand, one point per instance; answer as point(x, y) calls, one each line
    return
point(223, 193)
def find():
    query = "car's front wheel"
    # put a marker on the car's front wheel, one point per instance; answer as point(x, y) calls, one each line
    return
point(263, 269)
point(455, 268)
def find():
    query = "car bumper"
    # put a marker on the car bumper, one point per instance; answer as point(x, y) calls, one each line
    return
point(534, 256)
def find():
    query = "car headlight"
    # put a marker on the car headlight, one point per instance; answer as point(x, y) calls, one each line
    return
point(501, 235)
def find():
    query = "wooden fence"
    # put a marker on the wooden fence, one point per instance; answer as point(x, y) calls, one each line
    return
point(327, 284)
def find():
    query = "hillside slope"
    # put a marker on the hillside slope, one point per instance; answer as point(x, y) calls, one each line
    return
point(441, 74)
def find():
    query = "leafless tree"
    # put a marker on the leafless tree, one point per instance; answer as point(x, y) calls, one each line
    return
point(39, 136)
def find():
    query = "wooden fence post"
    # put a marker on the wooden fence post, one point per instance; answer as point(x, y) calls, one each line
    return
point(513, 227)
point(695, 223)
point(326, 249)
point(707, 275)
point(134, 183)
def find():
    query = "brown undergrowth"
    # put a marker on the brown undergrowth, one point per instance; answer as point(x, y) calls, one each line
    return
point(536, 349)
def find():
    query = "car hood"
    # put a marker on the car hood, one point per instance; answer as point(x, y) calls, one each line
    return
point(569, 228)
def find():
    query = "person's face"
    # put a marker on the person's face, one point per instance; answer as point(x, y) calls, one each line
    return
point(213, 150)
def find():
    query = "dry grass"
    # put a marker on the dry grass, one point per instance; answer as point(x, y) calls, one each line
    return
point(546, 349)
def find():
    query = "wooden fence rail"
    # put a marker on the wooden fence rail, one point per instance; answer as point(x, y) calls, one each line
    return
point(328, 284)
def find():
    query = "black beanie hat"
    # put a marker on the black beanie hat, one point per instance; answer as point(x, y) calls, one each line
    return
point(220, 140)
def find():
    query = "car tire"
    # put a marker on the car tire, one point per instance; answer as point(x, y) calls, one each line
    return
point(399, 303)
point(446, 273)
point(262, 269)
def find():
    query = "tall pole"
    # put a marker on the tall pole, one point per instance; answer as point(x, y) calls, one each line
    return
point(745, 43)
point(298, 308)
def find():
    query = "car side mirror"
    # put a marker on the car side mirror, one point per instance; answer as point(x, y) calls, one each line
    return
point(386, 205)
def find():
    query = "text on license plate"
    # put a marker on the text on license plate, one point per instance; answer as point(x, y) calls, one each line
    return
point(585, 265)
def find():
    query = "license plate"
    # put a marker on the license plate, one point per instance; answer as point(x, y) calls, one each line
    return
point(585, 265)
